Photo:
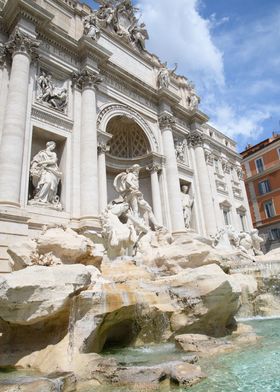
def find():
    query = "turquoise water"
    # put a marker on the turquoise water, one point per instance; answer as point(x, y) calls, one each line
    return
point(253, 369)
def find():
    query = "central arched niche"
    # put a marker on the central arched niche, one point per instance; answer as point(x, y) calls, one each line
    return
point(128, 141)
point(128, 145)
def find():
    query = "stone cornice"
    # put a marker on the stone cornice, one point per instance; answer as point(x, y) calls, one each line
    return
point(216, 145)
point(88, 47)
point(132, 80)
point(116, 164)
point(263, 174)
point(164, 94)
point(47, 116)
point(28, 9)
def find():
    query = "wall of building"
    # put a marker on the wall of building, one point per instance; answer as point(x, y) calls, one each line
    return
point(268, 151)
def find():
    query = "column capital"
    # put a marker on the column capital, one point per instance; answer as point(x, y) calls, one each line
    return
point(3, 55)
point(86, 79)
point(195, 139)
point(154, 167)
point(20, 42)
point(103, 148)
point(166, 121)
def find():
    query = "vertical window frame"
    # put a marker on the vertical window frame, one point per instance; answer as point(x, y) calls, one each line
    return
point(257, 168)
point(266, 210)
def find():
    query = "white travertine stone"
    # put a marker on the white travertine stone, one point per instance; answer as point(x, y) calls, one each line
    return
point(102, 176)
point(76, 140)
point(89, 165)
point(156, 193)
point(12, 141)
point(195, 140)
point(172, 176)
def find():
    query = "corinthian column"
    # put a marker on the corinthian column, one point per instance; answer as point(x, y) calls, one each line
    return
point(102, 149)
point(21, 47)
point(87, 81)
point(166, 122)
point(195, 140)
point(154, 170)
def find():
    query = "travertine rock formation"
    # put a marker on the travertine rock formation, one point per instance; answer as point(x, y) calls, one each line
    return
point(61, 317)
point(57, 245)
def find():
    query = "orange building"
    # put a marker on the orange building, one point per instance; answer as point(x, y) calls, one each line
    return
point(261, 165)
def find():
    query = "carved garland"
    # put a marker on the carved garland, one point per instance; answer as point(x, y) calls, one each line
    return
point(114, 110)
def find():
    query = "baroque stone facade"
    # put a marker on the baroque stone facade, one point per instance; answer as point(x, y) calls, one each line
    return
point(82, 100)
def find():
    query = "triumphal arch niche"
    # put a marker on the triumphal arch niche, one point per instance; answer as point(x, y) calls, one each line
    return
point(83, 101)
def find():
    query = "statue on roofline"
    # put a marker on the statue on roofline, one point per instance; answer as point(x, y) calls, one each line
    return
point(164, 75)
point(117, 16)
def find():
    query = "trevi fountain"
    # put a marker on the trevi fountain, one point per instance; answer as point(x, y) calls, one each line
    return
point(128, 258)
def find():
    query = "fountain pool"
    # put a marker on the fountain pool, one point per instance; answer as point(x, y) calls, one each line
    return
point(251, 369)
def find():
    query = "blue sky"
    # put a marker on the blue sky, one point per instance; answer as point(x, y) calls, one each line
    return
point(230, 49)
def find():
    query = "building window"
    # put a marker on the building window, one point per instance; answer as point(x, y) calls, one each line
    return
point(264, 187)
point(275, 234)
point(243, 222)
point(259, 165)
point(216, 165)
point(269, 209)
point(226, 216)
point(278, 153)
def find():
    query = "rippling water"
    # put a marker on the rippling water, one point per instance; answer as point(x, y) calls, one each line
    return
point(254, 369)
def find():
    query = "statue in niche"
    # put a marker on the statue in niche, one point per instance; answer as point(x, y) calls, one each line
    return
point(46, 176)
point(90, 27)
point(164, 74)
point(180, 147)
point(129, 218)
point(50, 94)
point(187, 204)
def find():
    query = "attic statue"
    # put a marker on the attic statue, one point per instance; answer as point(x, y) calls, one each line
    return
point(164, 75)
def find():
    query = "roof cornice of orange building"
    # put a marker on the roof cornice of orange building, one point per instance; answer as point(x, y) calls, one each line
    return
point(260, 146)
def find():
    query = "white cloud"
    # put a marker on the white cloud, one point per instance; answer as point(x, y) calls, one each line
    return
point(215, 22)
point(179, 34)
point(236, 68)
point(246, 124)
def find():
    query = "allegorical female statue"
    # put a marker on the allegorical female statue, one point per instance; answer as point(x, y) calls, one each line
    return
point(187, 204)
point(45, 176)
